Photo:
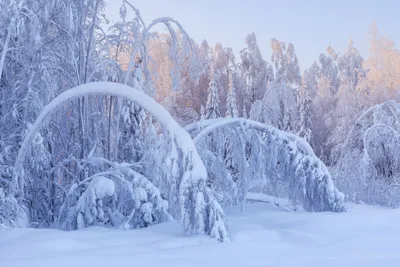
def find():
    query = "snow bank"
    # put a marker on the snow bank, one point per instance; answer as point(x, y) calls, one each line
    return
point(279, 202)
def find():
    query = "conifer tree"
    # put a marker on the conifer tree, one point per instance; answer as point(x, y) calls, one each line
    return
point(212, 107)
point(231, 104)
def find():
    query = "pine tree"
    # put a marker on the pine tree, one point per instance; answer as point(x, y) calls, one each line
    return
point(305, 116)
point(307, 89)
point(288, 123)
point(212, 106)
point(202, 113)
point(329, 69)
point(350, 67)
point(258, 73)
point(132, 142)
point(229, 136)
point(231, 105)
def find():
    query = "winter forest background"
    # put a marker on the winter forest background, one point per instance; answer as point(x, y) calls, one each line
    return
point(247, 124)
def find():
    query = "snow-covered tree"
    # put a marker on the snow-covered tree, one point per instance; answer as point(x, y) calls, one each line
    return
point(324, 102)
point(258, 72)
point(329, 70)
point(46, 54)
point(231, 105)
point(305, 130)
point(269, 161)
point(367, 168)
point(307, 90)
point(278, 107)
point(135, 124)
point(232, 161)
point(213, 105)
point(124, 199)
point(286, 63)
point(42, 193)
point(383, 62)
point(90, 203)
point(202, 113)
point(131, 39)
point(199, 211)
point(350, 67)
point(11, 213)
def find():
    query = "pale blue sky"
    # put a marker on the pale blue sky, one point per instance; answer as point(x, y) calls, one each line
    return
point(308, 24)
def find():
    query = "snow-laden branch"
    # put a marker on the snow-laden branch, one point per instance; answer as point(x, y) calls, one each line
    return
point(120, 90)
point(136, 11)
point(369, 130)
point(364, 116)
point(205, 127)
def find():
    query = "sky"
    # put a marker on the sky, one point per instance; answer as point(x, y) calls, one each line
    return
point(309, 24)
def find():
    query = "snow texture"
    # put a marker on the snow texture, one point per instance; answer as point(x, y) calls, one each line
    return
point(262, 235)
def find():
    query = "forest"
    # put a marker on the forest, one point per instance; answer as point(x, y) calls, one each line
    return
point(115, 124)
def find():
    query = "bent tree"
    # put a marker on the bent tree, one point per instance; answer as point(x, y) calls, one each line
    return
point(368, 165)
point(199, 211)
point(267, 159)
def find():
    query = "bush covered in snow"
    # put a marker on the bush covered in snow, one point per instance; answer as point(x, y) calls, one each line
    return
point(90, 203)
point(124, 198)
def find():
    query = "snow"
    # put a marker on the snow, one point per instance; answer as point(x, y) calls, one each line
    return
point(101, 187)
point(263, 235)
point(280, 202)
point(98, 188)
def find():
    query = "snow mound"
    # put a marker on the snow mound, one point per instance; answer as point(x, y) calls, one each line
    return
point(90, 204)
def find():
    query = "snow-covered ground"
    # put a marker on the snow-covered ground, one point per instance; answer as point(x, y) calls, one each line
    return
point(263, 235)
